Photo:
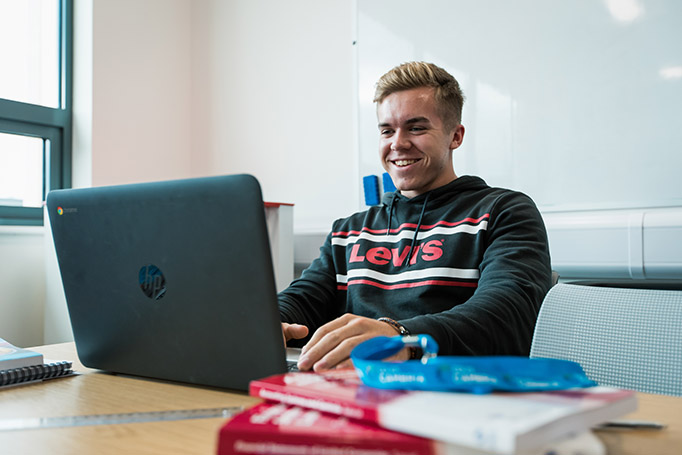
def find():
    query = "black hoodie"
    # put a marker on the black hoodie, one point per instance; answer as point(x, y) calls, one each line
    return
point(465, 263)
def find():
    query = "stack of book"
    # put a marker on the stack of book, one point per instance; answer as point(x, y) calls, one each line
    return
point(21, 366)
point(310, 413)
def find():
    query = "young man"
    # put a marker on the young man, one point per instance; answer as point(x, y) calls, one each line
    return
point(444, 255)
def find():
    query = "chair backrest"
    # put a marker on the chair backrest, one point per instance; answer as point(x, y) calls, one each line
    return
point(628, 338)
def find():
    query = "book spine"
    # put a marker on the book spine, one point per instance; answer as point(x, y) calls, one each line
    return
point(34, 373)
point(278, 429)
point(263, 444)
point(12, 357)
point(231, 443)
point(274, 393)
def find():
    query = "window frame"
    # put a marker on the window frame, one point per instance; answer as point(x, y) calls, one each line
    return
point(53, 124)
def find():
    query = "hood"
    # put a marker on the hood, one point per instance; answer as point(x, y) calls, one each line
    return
point(463, 183)
point(392, 200)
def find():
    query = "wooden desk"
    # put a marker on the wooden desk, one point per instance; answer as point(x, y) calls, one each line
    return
point(658, 408)
point(100, 393)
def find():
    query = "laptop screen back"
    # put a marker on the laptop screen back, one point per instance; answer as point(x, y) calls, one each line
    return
point(170, 280)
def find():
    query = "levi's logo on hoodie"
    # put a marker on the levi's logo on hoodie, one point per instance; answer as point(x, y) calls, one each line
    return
point(381, 255)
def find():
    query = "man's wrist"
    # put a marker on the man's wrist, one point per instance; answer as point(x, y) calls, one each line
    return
point(415, 353)
point(402, 331)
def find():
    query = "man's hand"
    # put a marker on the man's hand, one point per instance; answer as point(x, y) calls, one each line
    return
point(331, 344)
point(293, 331)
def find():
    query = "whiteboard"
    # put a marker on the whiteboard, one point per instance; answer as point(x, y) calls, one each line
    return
point(577, 103)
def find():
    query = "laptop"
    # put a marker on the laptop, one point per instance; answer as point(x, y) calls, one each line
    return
point(170, 280)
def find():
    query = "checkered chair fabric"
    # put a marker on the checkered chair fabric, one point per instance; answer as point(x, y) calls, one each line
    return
point(627, 338)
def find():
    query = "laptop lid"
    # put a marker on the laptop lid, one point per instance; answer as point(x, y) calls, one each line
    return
point(170, 280)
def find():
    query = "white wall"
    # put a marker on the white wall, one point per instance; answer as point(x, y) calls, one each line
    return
point(22, 285)
point(273, 94)
point(184, 88)
point(141, 99)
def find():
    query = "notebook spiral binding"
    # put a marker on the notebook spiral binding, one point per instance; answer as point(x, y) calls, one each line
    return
point(34, 373)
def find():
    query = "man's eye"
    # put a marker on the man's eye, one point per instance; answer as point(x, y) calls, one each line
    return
point(417, 128)
point(386, 132)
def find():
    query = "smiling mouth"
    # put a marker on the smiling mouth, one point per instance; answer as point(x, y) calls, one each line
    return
point(403, 163)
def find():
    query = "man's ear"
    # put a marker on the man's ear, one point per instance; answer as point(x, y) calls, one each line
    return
point(457, 136)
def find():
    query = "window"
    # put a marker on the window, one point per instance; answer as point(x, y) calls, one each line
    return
point(35, 105)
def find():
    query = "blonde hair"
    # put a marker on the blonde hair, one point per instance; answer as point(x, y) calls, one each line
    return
point(448, 94)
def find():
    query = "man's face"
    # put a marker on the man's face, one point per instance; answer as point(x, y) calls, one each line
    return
point(415, 146)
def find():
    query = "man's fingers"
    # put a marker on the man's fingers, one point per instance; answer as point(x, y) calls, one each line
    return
point(332, 343)
point(327, 332)
point(293, 331)
point(298, 331)
point(339, 355)
point(348, 363)
point(329, 342)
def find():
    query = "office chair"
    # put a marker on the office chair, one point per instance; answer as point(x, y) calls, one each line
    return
point(626, 338)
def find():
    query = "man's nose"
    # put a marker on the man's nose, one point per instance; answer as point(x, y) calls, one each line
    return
point(400, 141)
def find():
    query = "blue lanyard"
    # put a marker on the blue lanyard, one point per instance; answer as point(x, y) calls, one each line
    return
point(467, 374)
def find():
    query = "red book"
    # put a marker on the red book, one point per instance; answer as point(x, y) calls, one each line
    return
point(276, 428)
point(280, 429)
point(497, 422)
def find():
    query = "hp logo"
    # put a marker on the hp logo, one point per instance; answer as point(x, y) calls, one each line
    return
point(152, 282)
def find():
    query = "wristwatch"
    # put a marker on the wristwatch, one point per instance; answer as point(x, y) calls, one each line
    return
point(402, 331)
point(415, 353)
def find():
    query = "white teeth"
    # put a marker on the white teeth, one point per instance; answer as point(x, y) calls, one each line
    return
point(404, 162)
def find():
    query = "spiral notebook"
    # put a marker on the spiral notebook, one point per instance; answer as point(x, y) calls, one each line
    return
point(21, 366)
point(35, 373)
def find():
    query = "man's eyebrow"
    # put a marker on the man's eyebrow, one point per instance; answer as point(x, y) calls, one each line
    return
point(410, 121)
point(417, 120)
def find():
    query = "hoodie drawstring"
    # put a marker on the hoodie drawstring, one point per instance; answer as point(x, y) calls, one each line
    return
point(390, 213)
point(416, 231)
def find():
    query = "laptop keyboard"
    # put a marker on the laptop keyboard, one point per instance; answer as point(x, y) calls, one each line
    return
point(292, 358)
